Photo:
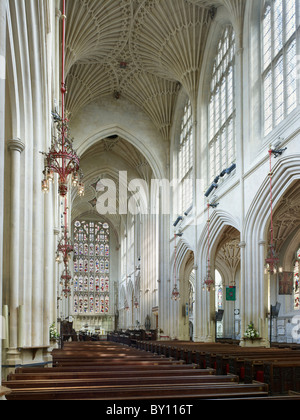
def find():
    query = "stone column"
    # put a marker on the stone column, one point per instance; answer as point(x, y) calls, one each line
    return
point(197, 305)
point(264, 297)
point(16, 147)
point(3, 6)
point(242, 296)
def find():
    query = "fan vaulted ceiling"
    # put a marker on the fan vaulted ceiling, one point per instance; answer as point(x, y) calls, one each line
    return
point(143, 50)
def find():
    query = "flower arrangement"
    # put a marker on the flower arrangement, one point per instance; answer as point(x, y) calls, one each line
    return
point(54, 336)
point(251, 332)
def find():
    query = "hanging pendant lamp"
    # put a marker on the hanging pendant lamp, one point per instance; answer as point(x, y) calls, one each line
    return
point(63, 161)
point(272, 260)
point(175, 292)
point(208, 283)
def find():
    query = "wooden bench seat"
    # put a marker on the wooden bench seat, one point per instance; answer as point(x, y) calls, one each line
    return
point(118, 381)
point(255, 367)
point(221, 390)
point(237, 363)
point(95, 363)
point(212, 358)
point(52, 374)
point(106, 372)
point(117, 368)
point(282, 375)
point(221, 360)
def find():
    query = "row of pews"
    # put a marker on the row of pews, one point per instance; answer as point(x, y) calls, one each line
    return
point(154, 371)
point(278, 367)
point(111, 372)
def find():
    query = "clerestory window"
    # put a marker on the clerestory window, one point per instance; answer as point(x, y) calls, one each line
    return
point(279, 61)
point(221, 112)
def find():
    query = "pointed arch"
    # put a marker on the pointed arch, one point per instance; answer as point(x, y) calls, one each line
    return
point(154, 160)
point(219, 220)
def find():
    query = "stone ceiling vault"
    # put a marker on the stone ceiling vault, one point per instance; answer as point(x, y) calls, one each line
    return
point(143, 50)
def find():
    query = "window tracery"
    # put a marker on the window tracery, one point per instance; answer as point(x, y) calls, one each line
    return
point(221, 110)
point(185, 159)
point(279, 61)
point(91, 267)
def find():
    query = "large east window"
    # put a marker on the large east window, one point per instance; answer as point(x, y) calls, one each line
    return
point(279, 60)
point(221, 112)
point(91, 268)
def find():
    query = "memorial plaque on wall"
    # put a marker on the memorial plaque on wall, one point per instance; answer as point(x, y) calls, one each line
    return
point(286, 283)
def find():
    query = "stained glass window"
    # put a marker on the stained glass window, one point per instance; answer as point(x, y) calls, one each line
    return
point(91, 268)
point(221, 112)
point(279, 61)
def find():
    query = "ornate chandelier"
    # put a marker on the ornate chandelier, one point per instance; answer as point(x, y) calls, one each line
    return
point(63, 161)
point(126, 306)
point(208, 282)
point(136, 303)
point(175, 292)
point(272, 260)
point(61, 158)
point(66, 282)
point(65, 246)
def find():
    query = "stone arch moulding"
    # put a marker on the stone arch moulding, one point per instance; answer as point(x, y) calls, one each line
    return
point(183, 249)
point(186, 265)
point(156, 163)
point(286, 171)
point(122, 297)
point(219, 220)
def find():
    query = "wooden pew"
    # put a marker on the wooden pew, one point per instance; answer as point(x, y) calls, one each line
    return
point(248, 363)
point(146, 392)
point(282, 376)
point(117, 368)
point(164, 380)
point(105, 372)
point(234, 361)
point(57, 373)
point(250, 366)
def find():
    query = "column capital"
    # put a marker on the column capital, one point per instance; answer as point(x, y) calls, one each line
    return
point(15, 145)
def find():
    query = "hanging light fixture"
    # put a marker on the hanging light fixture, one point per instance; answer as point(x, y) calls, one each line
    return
point(272, 260)
point(62, 158)
point(63, 161)
point(136, 303)
point(126, 306)
point(175, 292)
point(66, 283)
point(65, 246)
point(208, 282)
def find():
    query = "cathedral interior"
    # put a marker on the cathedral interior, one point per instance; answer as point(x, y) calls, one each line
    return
point(165, 135)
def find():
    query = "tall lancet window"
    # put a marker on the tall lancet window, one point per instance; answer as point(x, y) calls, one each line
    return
point(91, 268)
point(221, 112)
point(279, 60)
point(185, 160)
